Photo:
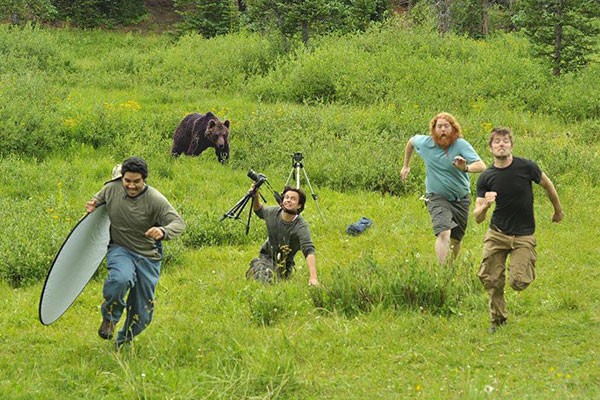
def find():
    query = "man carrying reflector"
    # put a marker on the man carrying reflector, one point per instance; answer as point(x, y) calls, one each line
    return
point(140, 219)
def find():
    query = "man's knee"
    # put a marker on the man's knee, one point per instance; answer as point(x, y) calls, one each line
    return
point(519, 285)
point(115, 285)
point(521, 276)
point(491, 283)
point(118, 280)
point(491, 277)
point(444, 235)
point(522, 268)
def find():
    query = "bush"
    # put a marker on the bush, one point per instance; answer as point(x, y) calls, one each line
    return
point(35, 221)
point(29, 48)
point(404, 68)
point(208, 18)
point(95, 13)
point(221, 64)
point(366, 284)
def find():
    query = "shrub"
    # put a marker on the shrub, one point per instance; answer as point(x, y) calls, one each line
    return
point(35, 221)
point(207, 18)
point(30, 48)
point(94, 13)
point(267, 305)
point(222, 63)
point(366, 284)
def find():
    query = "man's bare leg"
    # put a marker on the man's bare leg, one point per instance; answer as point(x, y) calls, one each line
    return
point(442, 246)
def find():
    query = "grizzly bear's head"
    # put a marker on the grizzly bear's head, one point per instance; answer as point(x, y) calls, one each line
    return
point(217, 132)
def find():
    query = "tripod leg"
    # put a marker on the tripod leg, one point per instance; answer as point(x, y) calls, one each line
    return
point(312, 192)
point(298, 177)
point(249, 216)
point(289, 176)
point(236, 210)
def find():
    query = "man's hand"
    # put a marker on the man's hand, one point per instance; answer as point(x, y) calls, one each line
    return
point(460, 163)
point(558, 216)
point(313, 282)
point(482, 205)
point(90, 206)
point(490, 197)
point(404, 173)
point(155, 233)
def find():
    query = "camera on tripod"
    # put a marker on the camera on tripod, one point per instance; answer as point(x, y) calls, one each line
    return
point(297, 157)
point(298, 166)
point(235, 211)
point(256, 177)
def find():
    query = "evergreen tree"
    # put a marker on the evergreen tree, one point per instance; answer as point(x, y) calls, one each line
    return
point(21, 11)
point(305, 18)
point(563, 31)
point(94, 13)
point(209, 17)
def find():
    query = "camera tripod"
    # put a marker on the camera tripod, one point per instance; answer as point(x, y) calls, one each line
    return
point(298, 166)
point(235, 211)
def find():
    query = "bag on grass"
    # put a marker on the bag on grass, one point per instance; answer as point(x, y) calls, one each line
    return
point(359, 227)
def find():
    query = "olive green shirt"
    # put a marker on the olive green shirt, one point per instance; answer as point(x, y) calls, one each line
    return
point(131, 217)
point(284, 239)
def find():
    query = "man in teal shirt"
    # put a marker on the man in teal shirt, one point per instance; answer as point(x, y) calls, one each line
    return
point(448, 160)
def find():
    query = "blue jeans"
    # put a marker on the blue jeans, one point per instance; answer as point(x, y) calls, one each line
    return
point(129, 271)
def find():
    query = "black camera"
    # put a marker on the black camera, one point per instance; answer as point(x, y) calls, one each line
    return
point(256, 177)
point(297, 157)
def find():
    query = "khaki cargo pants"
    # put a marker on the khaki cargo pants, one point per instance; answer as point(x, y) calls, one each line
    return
point(496, 249)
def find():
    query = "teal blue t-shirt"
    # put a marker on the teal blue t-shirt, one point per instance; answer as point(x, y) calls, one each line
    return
point(443, 178)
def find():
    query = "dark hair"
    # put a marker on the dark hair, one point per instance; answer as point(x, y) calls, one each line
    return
point(135, 164)
point(500, 131)
point(301, 196)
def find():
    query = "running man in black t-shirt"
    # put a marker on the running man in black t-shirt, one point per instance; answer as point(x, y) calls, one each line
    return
point(507, 183)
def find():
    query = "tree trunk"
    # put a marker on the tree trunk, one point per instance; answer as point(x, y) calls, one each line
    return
point(558, 39)
point(443, 15)
point(305, 32)
point(485, 18)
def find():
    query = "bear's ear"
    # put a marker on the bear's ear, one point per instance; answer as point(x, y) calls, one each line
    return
point(226, 123)
point(211, 124)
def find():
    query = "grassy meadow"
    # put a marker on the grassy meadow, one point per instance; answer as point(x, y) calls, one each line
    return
point(387, 323)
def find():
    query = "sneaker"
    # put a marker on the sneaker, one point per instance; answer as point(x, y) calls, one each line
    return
point(496, 325)
point(106, 329)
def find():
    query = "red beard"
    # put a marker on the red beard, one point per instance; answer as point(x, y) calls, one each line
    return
point(445, 141)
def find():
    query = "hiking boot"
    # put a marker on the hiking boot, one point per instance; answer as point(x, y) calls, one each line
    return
point(496, 325)
point(106, 329)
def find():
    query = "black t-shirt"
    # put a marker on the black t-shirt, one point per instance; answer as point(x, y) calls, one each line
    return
point(513, 213)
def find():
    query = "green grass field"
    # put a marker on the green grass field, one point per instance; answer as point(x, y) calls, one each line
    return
point(76, 103)
point(217, 335)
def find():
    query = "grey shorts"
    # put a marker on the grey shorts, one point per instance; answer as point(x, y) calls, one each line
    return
point(448, 215)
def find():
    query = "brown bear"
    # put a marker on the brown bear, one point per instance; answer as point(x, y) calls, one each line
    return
point(197, 132)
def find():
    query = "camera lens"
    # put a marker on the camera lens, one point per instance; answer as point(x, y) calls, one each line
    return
point(252, 175)
point(256, 177)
